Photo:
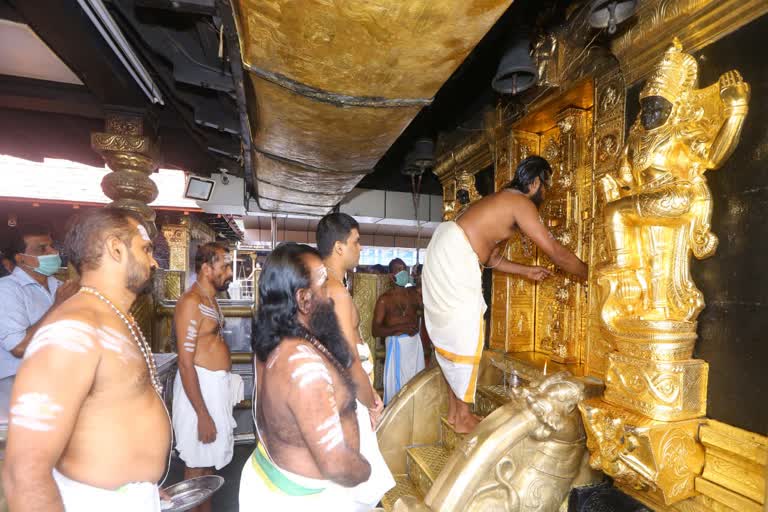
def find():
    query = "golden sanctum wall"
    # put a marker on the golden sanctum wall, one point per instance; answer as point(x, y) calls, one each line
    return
point(637, 210)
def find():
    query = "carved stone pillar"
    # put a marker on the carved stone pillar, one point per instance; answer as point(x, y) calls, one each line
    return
point(130, 152)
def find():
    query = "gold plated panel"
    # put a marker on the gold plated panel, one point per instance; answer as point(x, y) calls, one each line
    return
point(560, 315)
point(499, 311)
point(610, 101)
point(320, 134)
point(736, 460)
point(368, 48)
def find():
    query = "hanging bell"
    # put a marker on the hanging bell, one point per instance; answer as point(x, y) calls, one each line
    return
point(516, 71)
point(609, 13)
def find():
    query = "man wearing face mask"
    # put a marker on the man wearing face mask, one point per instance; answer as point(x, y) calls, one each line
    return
point(452, 283)
point(396, 318)
point(27, 295)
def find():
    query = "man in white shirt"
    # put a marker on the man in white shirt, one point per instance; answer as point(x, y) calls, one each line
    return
point(26, 297)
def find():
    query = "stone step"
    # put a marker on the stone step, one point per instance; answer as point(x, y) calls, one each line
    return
point(450, 438)
point(490, 398)
point(425, 464)
point(403, 487)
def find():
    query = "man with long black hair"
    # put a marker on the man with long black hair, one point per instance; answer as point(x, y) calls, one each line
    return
point(310, 449)
point(452, 287)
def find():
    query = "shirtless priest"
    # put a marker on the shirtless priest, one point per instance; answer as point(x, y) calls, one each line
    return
point(203, 392)
point(88, 429)
point(452, 288)
point(310, 446)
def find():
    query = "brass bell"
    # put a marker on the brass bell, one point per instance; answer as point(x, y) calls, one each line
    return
point(517, 71)
point(609, 13)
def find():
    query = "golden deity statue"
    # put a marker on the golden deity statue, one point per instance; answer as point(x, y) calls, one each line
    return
point(644, 431)
point(658, 207)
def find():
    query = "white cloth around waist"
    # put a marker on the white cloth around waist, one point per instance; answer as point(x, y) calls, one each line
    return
point(452, 291)
point(404, 359)
point(133, 497)
point(221, 390)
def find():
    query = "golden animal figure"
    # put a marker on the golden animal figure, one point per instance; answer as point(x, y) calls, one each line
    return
point(658, 207)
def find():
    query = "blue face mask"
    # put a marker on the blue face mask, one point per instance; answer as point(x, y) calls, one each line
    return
point(402, 278)
point(48, 264)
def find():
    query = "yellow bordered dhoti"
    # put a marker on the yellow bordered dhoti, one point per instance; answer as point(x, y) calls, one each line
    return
point(454, 307)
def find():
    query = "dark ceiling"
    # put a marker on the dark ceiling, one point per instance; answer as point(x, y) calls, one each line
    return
point(200, 123)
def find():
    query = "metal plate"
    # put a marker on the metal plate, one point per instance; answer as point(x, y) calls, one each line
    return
point(190, 493)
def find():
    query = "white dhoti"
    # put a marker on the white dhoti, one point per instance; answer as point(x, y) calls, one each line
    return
point(405, 358)
point(221, 390)
point(454, 307)
point(266, 486)
point(133, 497)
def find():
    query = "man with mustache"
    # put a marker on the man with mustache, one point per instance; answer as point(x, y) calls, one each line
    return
point(88, 429)
point(204, 389)
point(309, 443)
point(452, 286)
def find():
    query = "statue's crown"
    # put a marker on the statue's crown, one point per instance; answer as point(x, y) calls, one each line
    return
point(673, 75)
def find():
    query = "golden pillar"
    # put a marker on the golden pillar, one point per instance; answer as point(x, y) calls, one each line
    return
point(130, 152)
point(657, 209)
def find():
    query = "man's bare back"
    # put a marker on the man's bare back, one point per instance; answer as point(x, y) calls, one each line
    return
point(349, 321)
point(306, 412)
point(200, 319)
point(105, 414)
point(495, 218)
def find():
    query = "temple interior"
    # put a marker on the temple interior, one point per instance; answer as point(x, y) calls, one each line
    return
point(641, 388)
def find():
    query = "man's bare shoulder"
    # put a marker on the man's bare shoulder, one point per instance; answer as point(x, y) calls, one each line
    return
point(335, 287)
point(189, 298)
point(75, 327)
point(295, 357)
point(81, 308)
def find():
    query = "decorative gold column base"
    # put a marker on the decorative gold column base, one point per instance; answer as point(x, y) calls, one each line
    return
point(661, 390)
point(654, 458)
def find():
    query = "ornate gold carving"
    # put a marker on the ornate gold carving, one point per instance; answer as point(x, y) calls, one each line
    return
point(131, 156)
point(125, 125)
point(609, 132)
point(177, 236)
point(648, 456)
point(696, 22)
point(667, 391)
point(657, 212)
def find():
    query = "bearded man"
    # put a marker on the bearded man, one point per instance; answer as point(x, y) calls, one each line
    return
point(88, 428)
point(453, 293)
point(205, 391)
point(311, 453)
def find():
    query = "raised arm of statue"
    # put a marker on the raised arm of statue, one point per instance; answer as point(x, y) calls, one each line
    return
point(734, 93)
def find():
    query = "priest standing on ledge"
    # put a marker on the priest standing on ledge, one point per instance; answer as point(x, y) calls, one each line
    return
point(453, 295)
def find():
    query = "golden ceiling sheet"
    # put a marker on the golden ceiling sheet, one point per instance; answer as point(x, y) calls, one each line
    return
point(370, 48)
point(320, 134)
point(334, 83)
point(288, 174)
